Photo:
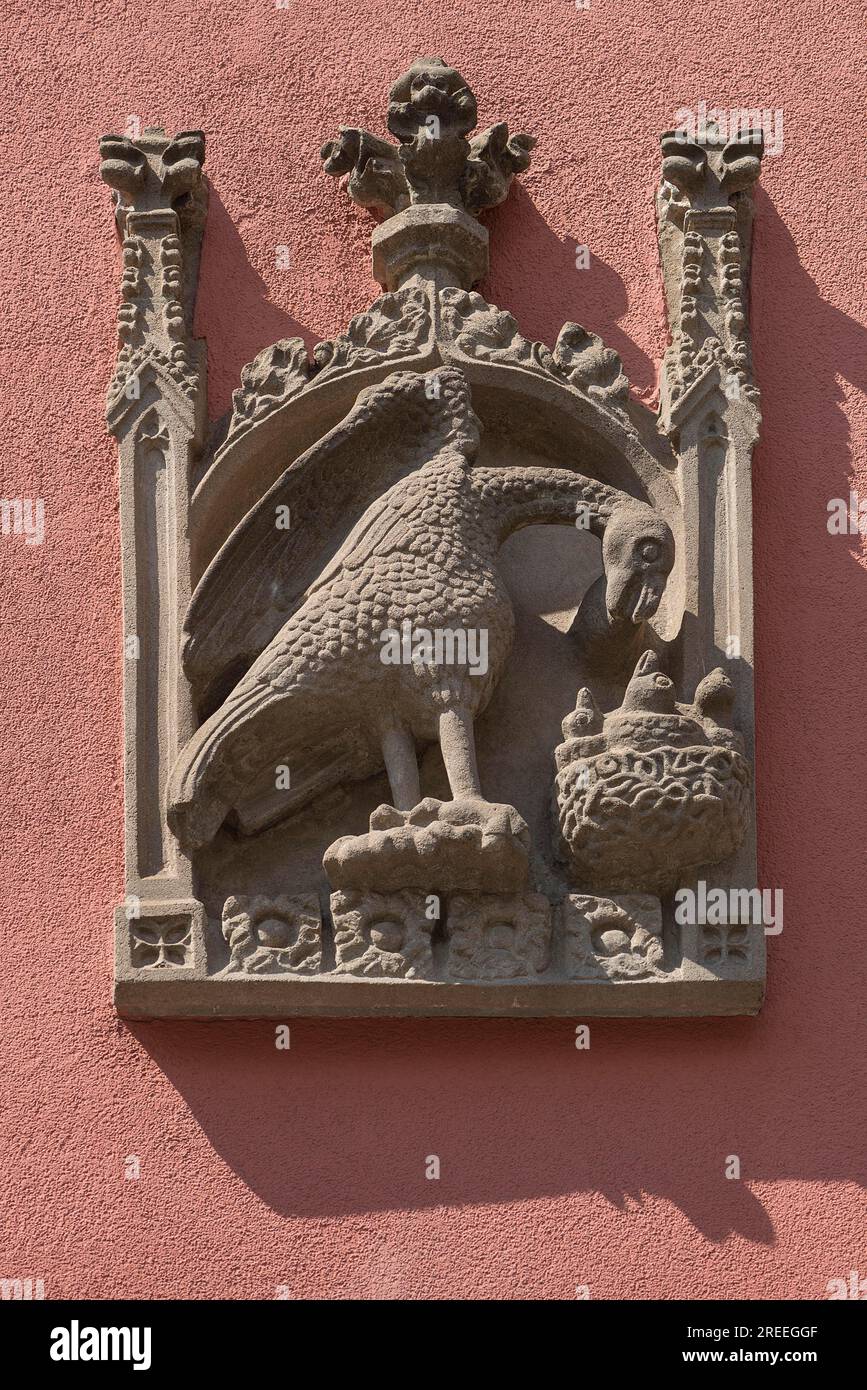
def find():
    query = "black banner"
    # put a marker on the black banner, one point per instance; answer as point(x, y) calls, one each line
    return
point(165, 1338)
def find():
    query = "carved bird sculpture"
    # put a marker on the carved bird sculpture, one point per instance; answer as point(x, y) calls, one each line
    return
point(611, 623)
point(320, 701)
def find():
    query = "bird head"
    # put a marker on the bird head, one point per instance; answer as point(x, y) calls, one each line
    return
point(715, 697)
point(638, 555)
point(649, 690)
point(586, 718)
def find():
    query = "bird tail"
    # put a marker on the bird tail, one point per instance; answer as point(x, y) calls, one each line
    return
point(210, 769)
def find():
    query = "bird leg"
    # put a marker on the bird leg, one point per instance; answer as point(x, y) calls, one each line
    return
point(401, 764)
point(458, 745)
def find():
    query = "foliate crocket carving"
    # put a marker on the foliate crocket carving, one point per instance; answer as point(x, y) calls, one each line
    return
point(395, 326)
point(274, 375)
point(704, 210)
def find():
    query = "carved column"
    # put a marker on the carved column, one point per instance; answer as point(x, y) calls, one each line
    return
point(709, 408)
point(156, 409)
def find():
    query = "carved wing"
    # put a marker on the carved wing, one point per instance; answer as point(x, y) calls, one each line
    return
point(264, 571)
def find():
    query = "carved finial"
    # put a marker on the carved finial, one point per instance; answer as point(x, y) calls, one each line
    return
point(436, 175)
point(153, 173)
point(431, 111)
point(708, 171)
point(704, 212)
point(160, 201)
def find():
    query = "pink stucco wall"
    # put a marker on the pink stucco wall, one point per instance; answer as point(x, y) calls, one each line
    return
point(306, 1168)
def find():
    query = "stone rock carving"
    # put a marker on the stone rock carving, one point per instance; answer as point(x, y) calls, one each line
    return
point(705, 214)
point(611, 623)
point(156, 409)
point(462, 843)
point(492, 937)
point(273, 376)
point(420, 560)
point(616, 938)
point(429, 189)
point(393, 327)
point(382, 934)
point(159, 199)
point(376, 175)
point(478, 329)
point(726, 942)
point(586, 362)
point(343, 670)
point(431, 110)
point(494, 159)
point(655, 789)
point(272, 935)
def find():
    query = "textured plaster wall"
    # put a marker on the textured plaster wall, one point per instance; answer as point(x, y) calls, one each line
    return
point(306, 1168)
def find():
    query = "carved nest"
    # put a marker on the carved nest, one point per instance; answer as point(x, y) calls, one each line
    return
point(642, 819)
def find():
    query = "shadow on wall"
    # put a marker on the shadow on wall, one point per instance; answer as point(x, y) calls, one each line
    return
point(241, 320)
point(533, 271)
point(343, 1122)
point(534, 275)
point(810, 596)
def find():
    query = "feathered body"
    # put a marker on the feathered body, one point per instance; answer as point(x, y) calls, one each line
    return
point(320, 700)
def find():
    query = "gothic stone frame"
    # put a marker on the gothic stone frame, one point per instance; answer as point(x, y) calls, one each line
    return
point(260, 565)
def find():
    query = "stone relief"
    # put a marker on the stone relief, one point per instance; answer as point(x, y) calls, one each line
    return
point(161, 943)
point(705, 214)
point(616, 938)
point(356, 652)
point(273, 376)
point(382, 934)
point(493, 937)
point(158, 190)
point(431, 111)
point(267, 934)
point(395, 326)
point(653, 790)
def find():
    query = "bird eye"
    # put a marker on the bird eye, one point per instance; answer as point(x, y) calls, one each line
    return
point(650, 551)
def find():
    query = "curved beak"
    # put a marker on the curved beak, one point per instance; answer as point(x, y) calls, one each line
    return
point(648, 600)
point(633, 597)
